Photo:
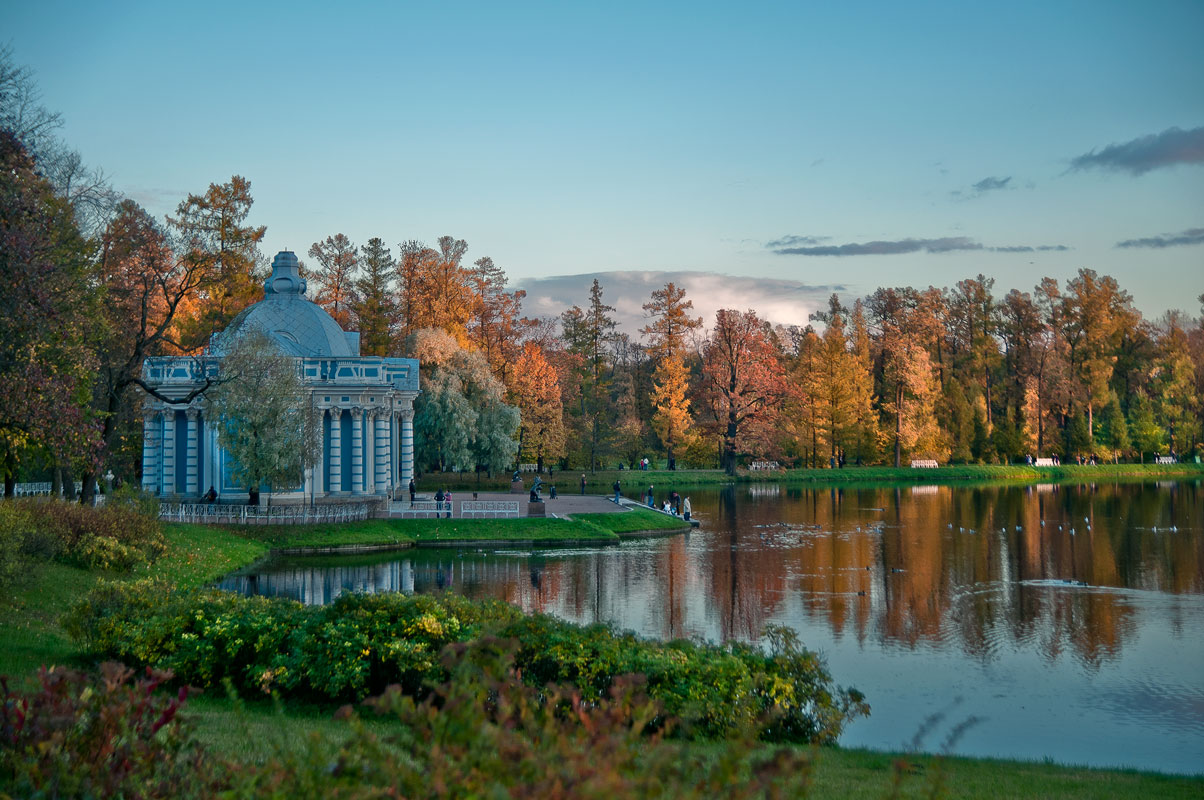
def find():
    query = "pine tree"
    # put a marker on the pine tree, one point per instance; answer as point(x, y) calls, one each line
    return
point(670, 324)
point(374, 306)
point(335, 275)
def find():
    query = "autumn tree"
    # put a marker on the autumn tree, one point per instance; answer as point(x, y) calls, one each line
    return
point(973, 325)
point(1095, 312)
point(670, 324)
point(537, 394)
point(495, 327)
point(588, 333)
point(374, 306)
point(864, 422)
point(834, 382)
point(461, 419)
point(337, 262)
point(145, 285)
point(214, 236)
point(908, 378)
point(48, 297)
point(744, 379)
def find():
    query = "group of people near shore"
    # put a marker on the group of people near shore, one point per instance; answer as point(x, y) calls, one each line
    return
point(673, 504)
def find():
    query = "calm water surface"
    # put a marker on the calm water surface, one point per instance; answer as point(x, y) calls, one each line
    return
point(1062, 622)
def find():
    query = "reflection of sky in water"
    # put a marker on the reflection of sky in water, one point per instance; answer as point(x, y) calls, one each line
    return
point(1085, 647)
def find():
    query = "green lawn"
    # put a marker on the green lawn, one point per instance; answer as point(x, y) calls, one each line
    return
point(367, 532)
point(472, 530)
point(258, 731)
point(637, 519)
point(600, 482)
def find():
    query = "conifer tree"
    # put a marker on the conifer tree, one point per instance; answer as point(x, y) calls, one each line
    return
point(337, 270)
point(374, 305)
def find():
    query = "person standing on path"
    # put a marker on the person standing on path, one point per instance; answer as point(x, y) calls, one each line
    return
point(685, 508)
point(617, 487)
point(582, 484)
point(447, 498)
point(411, 491)
point(651, 499)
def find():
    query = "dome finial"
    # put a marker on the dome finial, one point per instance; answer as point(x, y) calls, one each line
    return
point(286, 275)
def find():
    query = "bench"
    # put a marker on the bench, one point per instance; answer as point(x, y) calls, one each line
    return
point(1044, 462)
point(1164, 460)
point(470, 509)
point(924, 463)
point(762, 465)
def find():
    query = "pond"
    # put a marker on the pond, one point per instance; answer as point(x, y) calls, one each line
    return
point(1050, 621)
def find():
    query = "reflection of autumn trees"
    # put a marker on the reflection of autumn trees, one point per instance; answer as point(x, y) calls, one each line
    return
point(983, 569)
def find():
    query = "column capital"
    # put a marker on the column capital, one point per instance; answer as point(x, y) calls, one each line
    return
point(406, 414)
point(357, 412)
point(193, 413)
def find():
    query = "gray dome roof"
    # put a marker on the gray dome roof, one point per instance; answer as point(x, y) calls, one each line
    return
point(300, 327)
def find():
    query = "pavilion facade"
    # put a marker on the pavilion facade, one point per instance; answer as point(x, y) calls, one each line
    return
point(366, 405)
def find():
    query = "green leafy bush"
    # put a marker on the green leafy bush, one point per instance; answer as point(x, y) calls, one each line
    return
point(116, 536)
point(360, 644)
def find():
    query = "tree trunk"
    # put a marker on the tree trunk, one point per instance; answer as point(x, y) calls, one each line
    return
point(899, 424)
point(87, 494)
point(68, 484)
point(56, 483)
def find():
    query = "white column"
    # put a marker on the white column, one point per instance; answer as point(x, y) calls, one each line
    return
point(318, 472)
point(152, 428)
point(382, 452)
point(336, 450)
point(369, 451)
point(168, 450)
point(407, 445)
point(192, 450)
point(357, 451)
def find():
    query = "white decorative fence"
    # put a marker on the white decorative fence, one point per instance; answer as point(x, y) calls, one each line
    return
point(259, 515)
point(489, 508)
point(32, 489)
point(427, 508)
point(924, 463)
point(762, 465)
point(1165, 460)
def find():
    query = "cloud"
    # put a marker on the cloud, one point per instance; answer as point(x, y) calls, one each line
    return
point(946, 245)
point(794, 241)
point(1044, 248)
point(780, 301)
point(1172, 146)
point(1187, 237)
point(990, 184)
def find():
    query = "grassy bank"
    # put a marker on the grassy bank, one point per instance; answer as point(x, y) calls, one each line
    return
point(636, 520)
point(549, 530)
point(256, 732)
point(634, 481)
point(30, 633)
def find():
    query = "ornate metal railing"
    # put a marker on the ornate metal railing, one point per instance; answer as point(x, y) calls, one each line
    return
point(263, 515)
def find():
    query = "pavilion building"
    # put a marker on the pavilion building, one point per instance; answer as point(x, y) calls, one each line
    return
point(366, 403)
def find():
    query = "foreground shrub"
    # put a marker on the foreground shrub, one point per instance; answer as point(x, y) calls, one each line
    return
point(81, 736)
point(486, 733)
point(360, 644)
point(482, 733)
point(116, 536)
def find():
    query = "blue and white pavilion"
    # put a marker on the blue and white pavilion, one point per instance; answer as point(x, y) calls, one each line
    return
point(367, 405)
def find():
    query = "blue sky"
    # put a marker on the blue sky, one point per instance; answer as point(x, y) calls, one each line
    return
point(926, 142)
